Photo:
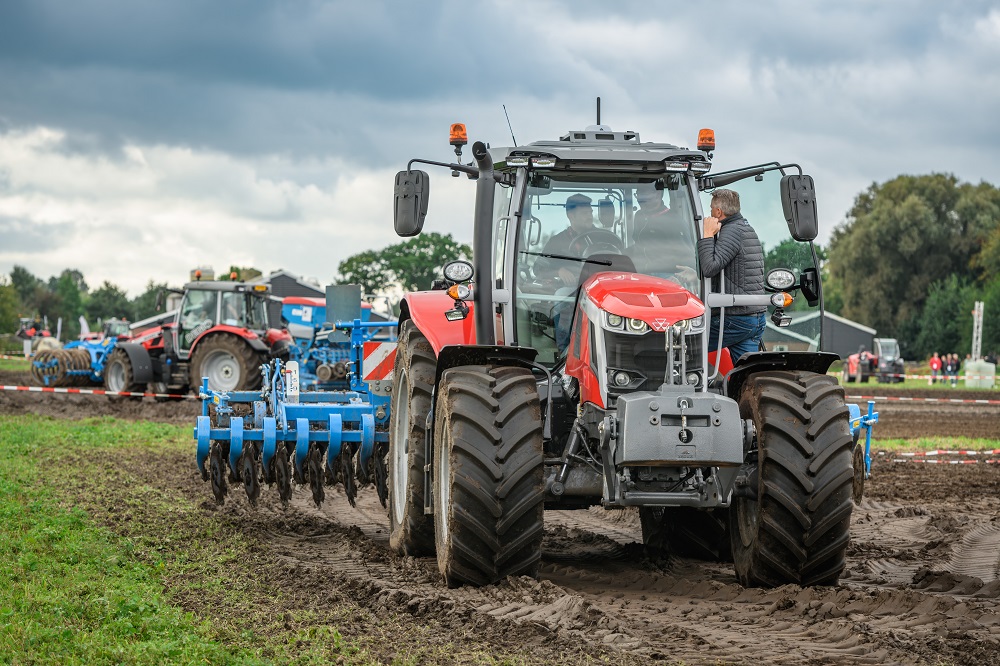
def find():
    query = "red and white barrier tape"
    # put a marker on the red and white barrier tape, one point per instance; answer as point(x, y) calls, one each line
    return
point(942, 378)
point(953, 401)
point(950, 452)
point(938, 461)
point(79, 391)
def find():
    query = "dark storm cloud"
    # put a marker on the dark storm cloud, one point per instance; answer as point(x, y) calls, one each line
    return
point(359, 79)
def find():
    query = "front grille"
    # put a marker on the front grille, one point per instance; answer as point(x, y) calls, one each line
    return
point(647, 355)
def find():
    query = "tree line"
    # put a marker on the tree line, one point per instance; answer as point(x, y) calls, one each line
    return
point(910, 260)
point(67, 296)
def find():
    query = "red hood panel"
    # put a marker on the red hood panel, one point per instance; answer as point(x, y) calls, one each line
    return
point(656, 301)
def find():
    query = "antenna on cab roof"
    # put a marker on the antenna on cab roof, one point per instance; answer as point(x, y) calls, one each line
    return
point(598, 110)
point(508, 125)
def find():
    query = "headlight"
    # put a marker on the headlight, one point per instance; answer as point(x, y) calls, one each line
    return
point(637, 325)
point(615, 321)
point(458, 271)
point(622, 378)
point(693, 378)
point(780, 279)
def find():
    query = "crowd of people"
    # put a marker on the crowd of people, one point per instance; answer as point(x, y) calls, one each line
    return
point(945, 369)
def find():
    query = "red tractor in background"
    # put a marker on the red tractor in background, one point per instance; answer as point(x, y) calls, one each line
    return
point(514, 391)
point(220, 331)
point(884, 362)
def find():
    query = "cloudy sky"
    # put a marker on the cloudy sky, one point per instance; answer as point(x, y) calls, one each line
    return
point(141, 138)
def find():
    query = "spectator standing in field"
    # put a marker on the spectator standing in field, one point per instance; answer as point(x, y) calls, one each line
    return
point(951, 368)
point(936, 365)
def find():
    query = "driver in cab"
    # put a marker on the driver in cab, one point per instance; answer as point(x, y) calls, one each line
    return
point(564, 243)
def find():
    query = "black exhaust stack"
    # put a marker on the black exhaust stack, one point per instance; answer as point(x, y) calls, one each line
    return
point(482, 246)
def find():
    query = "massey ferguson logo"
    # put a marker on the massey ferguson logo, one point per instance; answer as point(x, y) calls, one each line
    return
point(659, 324)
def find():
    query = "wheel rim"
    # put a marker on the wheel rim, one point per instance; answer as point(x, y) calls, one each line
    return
point(222, 370)
point(400, 447)
point(442, 497)
point(115, 374)
point(746, 519)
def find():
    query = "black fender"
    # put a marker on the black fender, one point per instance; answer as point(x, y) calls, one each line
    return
point(142, 364)
point(749, 364)
point(454, 355)
point(257, 345)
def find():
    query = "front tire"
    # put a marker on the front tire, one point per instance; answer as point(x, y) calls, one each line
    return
point(228, 362)
point(119, 376)
point(488, 482)
point(411, 532)
point(796, 530)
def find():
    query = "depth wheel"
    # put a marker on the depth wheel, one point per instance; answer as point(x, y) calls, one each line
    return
point(217, 471)
point(250, 473)
point(411, 531)
point(283, 475)
point(488, 483)
point(797, 528)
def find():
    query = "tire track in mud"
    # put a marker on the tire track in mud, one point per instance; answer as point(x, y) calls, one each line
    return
point(596, 585)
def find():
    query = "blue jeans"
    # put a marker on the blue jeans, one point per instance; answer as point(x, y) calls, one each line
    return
point(741, 333)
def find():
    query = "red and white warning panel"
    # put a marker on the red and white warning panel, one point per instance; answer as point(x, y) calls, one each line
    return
point(379, 358)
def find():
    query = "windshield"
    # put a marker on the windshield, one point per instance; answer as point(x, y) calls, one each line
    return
point(888, 347)
point(574, 227)
point(198, 314)
point(760, 204)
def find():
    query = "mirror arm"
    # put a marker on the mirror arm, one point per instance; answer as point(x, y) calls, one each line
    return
point(471, 171)
point(709, 182)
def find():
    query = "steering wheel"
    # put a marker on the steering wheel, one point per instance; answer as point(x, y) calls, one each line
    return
point(596, 240)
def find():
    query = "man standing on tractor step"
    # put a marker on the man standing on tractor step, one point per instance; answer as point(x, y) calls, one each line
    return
point(729, 246)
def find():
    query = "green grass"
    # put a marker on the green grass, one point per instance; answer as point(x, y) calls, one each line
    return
point(932, 443)
point(15, 365)
point(72, 592)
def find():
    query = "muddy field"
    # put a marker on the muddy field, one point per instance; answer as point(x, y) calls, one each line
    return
point(922, 583)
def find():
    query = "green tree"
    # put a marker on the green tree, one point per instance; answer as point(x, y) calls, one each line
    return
point(67, 288)
point(10, 306)
point(27, 286)
point(243, 274)
point(900, 238)
point(144, 305)
point(945, 324)
point(411, 265)
point(106, 302)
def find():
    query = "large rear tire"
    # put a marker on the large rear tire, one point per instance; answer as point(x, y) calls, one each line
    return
point(796, 530)
point(411, 532)
point(488, 482)
point(228, 362)
point(119, 376)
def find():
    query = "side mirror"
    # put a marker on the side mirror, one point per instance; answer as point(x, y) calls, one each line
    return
point(798, 201)
point(411, 193)
point(606, 212)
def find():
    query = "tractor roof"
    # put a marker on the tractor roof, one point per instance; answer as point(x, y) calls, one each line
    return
point(600, 144)
point(222, 285)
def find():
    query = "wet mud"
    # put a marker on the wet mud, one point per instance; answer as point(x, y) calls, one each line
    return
point(922, 583)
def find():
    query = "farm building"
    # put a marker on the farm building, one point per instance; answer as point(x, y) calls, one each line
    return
point(840, 336)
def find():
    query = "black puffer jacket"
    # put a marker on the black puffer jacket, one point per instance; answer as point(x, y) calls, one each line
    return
point(737, 253)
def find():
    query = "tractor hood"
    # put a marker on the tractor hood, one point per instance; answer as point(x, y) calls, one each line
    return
point(657, 301)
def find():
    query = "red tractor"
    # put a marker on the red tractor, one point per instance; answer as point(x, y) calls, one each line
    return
point(514, 392)
point(220, 331)
point(884, 361)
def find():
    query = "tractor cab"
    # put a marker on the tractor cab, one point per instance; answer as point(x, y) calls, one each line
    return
point(206, 305)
